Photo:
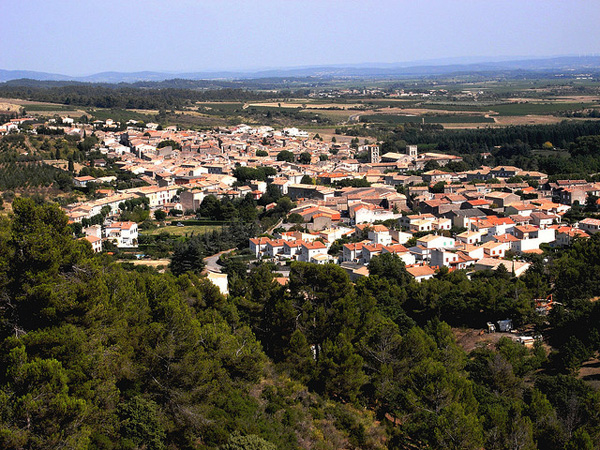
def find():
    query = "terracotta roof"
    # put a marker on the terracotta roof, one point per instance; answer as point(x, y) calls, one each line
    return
point(420, 271)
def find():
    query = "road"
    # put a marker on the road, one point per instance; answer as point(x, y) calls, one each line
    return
point(210, 262)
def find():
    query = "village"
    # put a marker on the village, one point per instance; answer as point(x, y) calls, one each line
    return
point(431, 219)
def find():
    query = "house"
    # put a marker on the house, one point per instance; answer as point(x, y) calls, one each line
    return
point(468, 251)
point(502, 199)
point(282, 184)
point(565, 235)
point(352, 252)
point(407, 221)
point(476, 203)
point(401, 251)
point(518, 267)
point(420, 273)
point(525, 231)
point(157, 196)
point(274, 247)
point(522, 209)
point(570, 195)
point(93, 230)
point(491, 225)
point(258, 246)
point(504, 172)
point(435, 176)
point(469, 237)
point(95, 241)
point(590, 225)
point(542, 220)
point(309, 250)
point(444, 257)
point(370, 250)
point(379, 234)
point(83, 181)
point(321, 258)
point(417, 226)
point(442, 224)
point(296, 191)
point(122, 234)
point(431, 241)
point(291, 249)
point(369, 213)
point(495, 249)
point(400, 236)
point(191, 199)
point(532, 239)
point(463, 217)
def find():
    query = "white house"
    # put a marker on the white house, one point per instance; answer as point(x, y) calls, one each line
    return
point(469, 237)
point(258, 246)
point(123, 234)
point(443, 257)
point(420, 273)
point(311, 249)
point(379, 234)
point(434, 241)
point(83, 181)
point(496, 249)
point(291, 249)
point(96, 243)
point(352, 252)
point(590, 225)
point(403, 253)
point(274, 247)
point(370, 250)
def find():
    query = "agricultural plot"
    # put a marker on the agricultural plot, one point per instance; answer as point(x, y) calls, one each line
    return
point(512, 109)
point(398, 119)
point(187, 230)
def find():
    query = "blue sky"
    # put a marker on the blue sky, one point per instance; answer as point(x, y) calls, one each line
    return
point(80, 37)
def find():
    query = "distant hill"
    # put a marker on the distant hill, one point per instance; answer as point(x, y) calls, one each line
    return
point(394, 70)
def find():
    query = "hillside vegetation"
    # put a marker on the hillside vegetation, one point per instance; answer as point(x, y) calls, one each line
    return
point(95, 356)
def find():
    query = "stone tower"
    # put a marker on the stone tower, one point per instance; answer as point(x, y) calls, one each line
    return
point(411, 150)
point(374, 154)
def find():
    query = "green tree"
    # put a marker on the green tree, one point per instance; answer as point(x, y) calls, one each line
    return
point(339, 370)
point(249, 442)
point(390, 267)
point(140, 423)
point(304, 158)
point(188, 256)
point(41, 411)
point(295, 218)
point(169, 142)
point(307, 179)
point(285, 155)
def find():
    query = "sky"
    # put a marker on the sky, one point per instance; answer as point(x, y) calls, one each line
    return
point(82, 37)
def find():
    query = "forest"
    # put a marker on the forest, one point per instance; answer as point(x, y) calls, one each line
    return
point(98, 355)
point(123, 96)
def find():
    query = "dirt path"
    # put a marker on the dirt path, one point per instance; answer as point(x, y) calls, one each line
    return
point(31, 148)
point(470, 338)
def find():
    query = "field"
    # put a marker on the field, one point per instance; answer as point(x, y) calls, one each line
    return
point(464, 105)
point(398, 119)
point(39, 108)
point(186, 230)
